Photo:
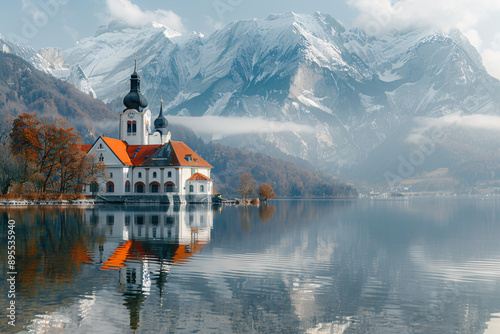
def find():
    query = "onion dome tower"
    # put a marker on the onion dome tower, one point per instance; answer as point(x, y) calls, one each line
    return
point(134, 99)
point(161, 122)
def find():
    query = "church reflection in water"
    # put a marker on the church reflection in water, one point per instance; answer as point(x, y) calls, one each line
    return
point(142, 243)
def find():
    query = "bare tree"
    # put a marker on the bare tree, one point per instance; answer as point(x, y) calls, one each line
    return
point(10, 169)
point(247, 186)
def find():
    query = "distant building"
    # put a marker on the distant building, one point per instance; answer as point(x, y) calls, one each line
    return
point(144, 164)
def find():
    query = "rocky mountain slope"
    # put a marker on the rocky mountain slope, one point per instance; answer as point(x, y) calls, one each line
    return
point(354, 90)
point(359, 94)
point(23, 88)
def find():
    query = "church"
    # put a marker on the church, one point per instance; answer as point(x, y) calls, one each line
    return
point(144, 164)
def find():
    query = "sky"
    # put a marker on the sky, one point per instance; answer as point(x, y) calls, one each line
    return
point(60, 23)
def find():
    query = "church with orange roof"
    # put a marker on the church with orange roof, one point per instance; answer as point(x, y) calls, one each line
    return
point(144, 164)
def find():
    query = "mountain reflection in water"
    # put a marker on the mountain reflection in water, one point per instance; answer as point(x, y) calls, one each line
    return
point(401, 266)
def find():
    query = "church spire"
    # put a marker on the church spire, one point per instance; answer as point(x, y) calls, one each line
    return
point(134, 99)
point(161, 122)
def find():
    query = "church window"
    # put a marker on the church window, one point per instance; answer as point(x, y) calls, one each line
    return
point(191, 188)
point(134, 127)
point(110, 175)
point(139, 175)
point(154, 187)
point(154, 175)
point(129, 126)
point(127, 186)
point(169, 174)
point(100, 146)
point(101, 157)
point(202, 189)
point(139, 187)
point(110, 187)
point(169, 187)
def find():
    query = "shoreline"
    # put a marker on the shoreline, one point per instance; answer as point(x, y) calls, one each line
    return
point(46, 202)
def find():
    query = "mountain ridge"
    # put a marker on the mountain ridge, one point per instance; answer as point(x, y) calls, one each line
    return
point(355, 90)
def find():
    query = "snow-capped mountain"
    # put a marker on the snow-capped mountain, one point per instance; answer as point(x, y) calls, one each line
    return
point(27, 53)
point(355, 91)
point(50, 61)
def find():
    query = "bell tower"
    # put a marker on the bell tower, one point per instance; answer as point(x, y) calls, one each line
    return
point(160, 135)
point(135, 120)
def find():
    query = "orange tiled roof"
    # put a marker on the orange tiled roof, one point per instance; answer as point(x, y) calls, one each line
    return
point(131, 155)
point(140, 153)
point(181, 151)
point(199, 177)
point(119, 147)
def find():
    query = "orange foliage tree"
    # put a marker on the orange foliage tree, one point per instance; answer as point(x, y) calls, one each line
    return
point(266, 192)
point(51, 155)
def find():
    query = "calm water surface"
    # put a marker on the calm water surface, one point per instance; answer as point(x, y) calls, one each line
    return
point(360, 266)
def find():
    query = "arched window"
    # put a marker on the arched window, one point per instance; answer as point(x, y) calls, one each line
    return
point(110, 187)
point(139, 175)
point(191, 188)
point(129, 126)
point(169, 187)
point(154, 187)
point(169, 174)
point(100, 146)
point(134, 127)
point(139, 187)
point(127, 186)
point(154, 175)
point(202, 188)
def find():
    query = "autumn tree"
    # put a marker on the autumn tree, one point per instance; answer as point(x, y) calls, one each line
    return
point(51, 154)
point(91, 172)
point(247, 186)
point(266, 192)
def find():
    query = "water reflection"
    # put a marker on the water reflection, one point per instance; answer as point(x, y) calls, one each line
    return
point(67, 254)
point(421, 266)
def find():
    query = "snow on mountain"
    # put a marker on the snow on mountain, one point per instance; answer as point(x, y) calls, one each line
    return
point(77, 77)
point(54, 58)
point(27, 53)
point(355, 90)
point(51, 61)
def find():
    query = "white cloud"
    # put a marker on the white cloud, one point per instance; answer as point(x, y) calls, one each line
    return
point(453, 121)
point(491, 57)
point(213, 24)
point(125, 10)
point(381, 15)
point(218, 127)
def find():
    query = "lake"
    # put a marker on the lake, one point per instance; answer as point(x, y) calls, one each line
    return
point(423, 265)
